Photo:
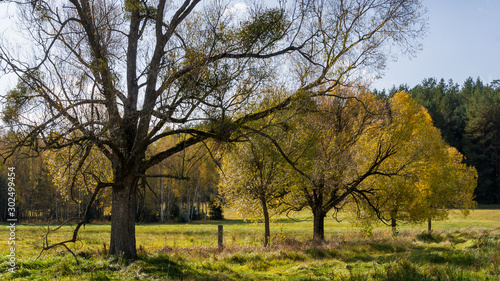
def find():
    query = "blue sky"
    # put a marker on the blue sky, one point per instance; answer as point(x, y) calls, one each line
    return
point(463, 41)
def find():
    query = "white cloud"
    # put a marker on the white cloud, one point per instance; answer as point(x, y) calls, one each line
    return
point(238, 11)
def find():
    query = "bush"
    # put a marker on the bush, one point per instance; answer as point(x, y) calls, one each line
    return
point(215, 212)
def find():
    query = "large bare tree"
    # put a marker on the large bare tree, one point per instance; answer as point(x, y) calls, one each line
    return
point(118, 76)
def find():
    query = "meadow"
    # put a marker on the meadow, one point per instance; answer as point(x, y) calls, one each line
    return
point(458, 249)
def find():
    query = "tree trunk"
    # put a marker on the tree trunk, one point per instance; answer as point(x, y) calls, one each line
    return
point(167, 207)
point(319, 225)
point(57, 210)
point(393, 224)
point(205, 212)
point(162, 216)
point(124, 205)
point(267, 230)
point(429, 226)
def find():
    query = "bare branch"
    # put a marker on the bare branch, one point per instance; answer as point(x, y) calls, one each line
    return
point(82, 222)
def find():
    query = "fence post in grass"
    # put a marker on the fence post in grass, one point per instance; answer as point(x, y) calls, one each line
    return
point(220, 236)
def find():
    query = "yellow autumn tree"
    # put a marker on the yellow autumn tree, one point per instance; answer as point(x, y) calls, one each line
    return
point(77, 173)
point(447, 183)
point(254, 181)
point(338, 144)
point(432, 176)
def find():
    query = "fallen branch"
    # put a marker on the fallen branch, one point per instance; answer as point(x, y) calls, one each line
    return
point(82, 221)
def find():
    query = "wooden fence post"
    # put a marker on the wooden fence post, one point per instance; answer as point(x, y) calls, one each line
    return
point(220, 237)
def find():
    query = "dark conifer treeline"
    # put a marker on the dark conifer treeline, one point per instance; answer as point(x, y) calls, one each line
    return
point(469, 119)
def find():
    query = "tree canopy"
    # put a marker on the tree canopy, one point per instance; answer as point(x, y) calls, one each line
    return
point(468, 119)
point(432, 176)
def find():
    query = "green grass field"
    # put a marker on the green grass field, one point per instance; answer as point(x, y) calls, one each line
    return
point(459, 249)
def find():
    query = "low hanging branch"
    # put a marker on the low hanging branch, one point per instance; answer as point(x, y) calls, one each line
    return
point(82, 221)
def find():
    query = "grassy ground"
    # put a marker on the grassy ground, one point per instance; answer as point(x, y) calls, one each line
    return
point(459, 249)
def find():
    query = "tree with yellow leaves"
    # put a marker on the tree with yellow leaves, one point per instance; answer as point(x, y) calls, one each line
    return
point(254, 181)
point(339, 143)
point(432, 178)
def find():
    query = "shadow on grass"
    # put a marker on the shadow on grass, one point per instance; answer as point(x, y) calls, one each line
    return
point(164, 266)
point(430, 238)
point(459, 258)
point(388, 247)
point(320, 253)
point(404, 270)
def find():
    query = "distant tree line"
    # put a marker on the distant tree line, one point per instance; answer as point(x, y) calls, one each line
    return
point(468, 117)
point(46, 191)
